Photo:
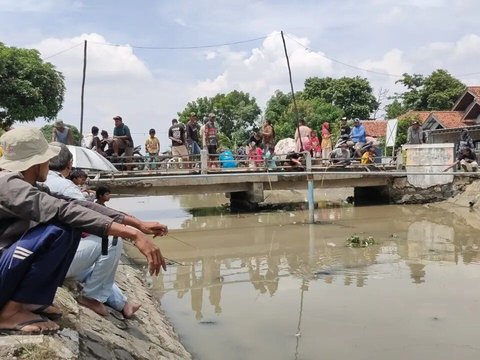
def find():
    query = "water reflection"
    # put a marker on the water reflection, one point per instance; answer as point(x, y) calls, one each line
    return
point(269, 252)
point(268, 285)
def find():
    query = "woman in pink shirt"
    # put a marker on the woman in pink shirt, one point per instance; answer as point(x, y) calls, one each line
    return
point(302, 137)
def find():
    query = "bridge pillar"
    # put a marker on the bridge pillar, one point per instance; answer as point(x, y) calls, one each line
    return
point(247, 200)
point(373, 195)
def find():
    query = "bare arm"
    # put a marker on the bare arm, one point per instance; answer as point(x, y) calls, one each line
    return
point(451, 166)
point(143, 243)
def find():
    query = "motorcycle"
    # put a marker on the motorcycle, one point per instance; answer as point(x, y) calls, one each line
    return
point(137, 159)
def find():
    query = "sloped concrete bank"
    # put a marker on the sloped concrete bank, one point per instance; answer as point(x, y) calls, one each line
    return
point(86, 335)
point(402, 192)
point(465, 205)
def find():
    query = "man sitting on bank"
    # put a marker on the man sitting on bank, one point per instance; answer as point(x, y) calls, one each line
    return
point(39, 234)
point(467, 160)
point(95, 271)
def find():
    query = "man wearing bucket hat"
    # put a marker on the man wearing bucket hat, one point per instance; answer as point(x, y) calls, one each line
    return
point(61, 133)
point(415, 134)
point(39, 234)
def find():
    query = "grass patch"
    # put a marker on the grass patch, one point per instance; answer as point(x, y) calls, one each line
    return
point(356, 241)
point(34, 352)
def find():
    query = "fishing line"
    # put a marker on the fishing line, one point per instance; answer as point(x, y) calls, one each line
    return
point(181, 241)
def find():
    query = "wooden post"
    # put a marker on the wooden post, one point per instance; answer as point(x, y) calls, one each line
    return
point(293, 92)
point(83, 85)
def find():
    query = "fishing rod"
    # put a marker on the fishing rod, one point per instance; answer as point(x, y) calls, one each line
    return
point(136, 261)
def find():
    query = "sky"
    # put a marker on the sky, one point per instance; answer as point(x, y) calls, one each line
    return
point(147, 59)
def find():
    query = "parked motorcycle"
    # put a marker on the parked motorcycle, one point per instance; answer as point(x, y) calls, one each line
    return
point(137, 158)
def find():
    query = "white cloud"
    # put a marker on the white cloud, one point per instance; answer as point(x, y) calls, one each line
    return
point(210, 55)
point(104, 61)
point(117, 83)
point(264, 69)
point(391, 62)
point(459, 57)
point(180, 22)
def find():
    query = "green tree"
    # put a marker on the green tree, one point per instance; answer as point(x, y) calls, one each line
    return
point(29, 87)
point(353, 95)
point(277, 105)
point(314, 111)
point(395, 109)
point(236, 113)
point(47, 132)
point(438, 91)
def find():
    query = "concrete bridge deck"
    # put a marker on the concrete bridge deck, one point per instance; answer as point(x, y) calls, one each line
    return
point(228, 182)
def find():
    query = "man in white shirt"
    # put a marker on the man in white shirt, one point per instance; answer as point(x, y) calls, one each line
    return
point(89, 266)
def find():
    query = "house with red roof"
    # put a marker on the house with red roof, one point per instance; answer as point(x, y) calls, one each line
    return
point(445, 126)
point(375, 128)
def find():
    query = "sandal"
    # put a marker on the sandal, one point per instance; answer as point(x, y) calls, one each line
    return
point(49, 315)
point(17, 330)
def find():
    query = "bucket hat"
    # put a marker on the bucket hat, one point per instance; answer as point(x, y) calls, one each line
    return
point(58, 124)
point(24, 148)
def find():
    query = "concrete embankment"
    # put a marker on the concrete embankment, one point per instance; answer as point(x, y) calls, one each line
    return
point(465, 205)
point(86, 335)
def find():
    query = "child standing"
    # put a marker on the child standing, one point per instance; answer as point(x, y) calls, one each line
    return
point(152, 148)
point(316, 150)
point(326, 142)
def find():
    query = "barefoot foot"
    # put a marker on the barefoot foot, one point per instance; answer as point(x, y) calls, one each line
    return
point(129, 309)
point(93, 305)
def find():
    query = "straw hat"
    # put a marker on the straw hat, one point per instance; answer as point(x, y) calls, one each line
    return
point(24, 148)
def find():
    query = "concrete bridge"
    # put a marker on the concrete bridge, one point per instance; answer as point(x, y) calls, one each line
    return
point(424, 180)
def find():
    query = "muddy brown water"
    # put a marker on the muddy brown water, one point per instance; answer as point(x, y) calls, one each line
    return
point(270, 286)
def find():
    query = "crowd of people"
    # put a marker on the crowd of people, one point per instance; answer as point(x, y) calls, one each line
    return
point(188, 139)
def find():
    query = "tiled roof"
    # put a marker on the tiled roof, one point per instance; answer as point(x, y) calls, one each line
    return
point(474, 90)
point(375, 128)
point(449, 119)
point(421, 115)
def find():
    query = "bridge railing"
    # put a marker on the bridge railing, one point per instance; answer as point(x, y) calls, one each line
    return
point(205, 163)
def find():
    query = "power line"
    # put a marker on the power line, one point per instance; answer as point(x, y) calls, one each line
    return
point(61, 52)
point(345, 64)
point(183, 47)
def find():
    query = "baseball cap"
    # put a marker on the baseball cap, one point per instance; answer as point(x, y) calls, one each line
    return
point(24, 148)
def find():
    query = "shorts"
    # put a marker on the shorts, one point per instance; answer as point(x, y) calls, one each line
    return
point(180, 150)
point(212, 149)
point(125, 145)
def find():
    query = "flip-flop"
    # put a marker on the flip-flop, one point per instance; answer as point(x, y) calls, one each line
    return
point(17, 330)
point(49, 315)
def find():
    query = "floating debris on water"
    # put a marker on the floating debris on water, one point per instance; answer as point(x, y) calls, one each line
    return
point(357, 241)
point(208, 322)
